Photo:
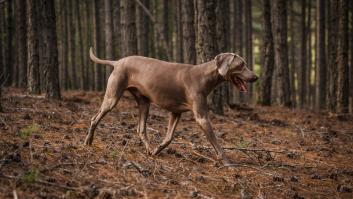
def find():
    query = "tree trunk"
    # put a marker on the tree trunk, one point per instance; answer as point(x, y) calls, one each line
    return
point(321, 73)
point(33, 45)
point(65, 44)
point(21, 43)
point(178, 31)
point(248, 39)
point(206, 42)
point(309, 67)
point(279, 28)
point(342, 53)
point(109, 52)
point(116, 27)
point(98, 81)
point(351, 59)
point(222, 38)
point(238, 43)
point(72, 44)
point(142, 29)
point(88, 27)
point(332, 55)
point(51, 72)
point(267, 58)
point(187, 19)
point(128, 31)
point(303, 64)
point(80, 40)
point(9, 66)
point(1, 50)
point(292, 54)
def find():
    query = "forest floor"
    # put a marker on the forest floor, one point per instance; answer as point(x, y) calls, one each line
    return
point(279, 152)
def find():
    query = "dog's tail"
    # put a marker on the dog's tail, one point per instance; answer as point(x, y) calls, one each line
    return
point(100, 61)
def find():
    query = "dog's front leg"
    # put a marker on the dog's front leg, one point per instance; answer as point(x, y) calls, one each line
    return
point(201, 116)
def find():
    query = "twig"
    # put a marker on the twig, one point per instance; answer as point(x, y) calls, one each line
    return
point(122, 152)
point(69, 164)
point(203, 156)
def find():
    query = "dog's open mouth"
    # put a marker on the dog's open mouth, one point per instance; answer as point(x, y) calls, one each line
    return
point(240, 84)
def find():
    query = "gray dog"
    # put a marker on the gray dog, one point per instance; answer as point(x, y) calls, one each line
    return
point(172, 86)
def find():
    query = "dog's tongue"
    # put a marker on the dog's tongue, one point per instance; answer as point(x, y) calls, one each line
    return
point(240, 84)
point(243, 87)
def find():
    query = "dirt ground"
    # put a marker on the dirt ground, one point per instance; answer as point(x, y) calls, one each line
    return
point(279, 153)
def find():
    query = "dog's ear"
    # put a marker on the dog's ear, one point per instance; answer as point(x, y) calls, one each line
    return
point(223, 61)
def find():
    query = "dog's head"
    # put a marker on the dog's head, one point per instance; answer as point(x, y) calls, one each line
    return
point(234, 68)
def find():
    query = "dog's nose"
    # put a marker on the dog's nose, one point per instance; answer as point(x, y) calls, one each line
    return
point(254, 78)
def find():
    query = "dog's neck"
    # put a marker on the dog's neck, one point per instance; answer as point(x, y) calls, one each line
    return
point(209, 76)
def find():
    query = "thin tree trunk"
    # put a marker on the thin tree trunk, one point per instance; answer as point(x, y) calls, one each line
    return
point(109, 51)
point(178, 31)
point(248, 39)
point(72, 44)
point(33, 51)
point(267, 58)
point(89, 64)
point(98, 82)
point(116, 27)
point(309, 65)
point(206, 42)
point(351, 58)
point(21, 43)
point(321, 69)
point(128, 29)
point(65, 48)
point(80, 40)
point(342, 53)
point(51, 72)
point(142, 29)
point(187, 18)
point(279, 28)
point(9, 72)
point(292, 54)
point(222, 38)
point(303, 59)
point(332, 55)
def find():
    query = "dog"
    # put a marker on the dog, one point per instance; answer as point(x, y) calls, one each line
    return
point(174, 87)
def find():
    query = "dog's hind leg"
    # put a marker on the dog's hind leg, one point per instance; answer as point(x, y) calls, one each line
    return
point(115, 89)
point(144, 107)
point(173, 121)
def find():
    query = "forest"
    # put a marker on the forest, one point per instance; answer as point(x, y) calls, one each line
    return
point(290, 135)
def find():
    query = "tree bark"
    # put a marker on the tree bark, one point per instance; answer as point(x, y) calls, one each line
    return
point(292, 56)
point(72, 44)
point(98, 81)
point(109, 52)
point(342, 59)
point(267, 58)
point(33, 51)
point(309, 67)
point(142, 29)
point(223, 41)
point(21, 43)
point(321, 70)
point(9, 66)
point(116, 27)
point(128, 30)
point(248, 39)
point(178, 32)
point(279, 29)
point(238, 44)
point(187, 18)
point(81, 50)
point(332, 55)
point(351, 58)
point(51, 72)
point(206, 42)
point(303, 59)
